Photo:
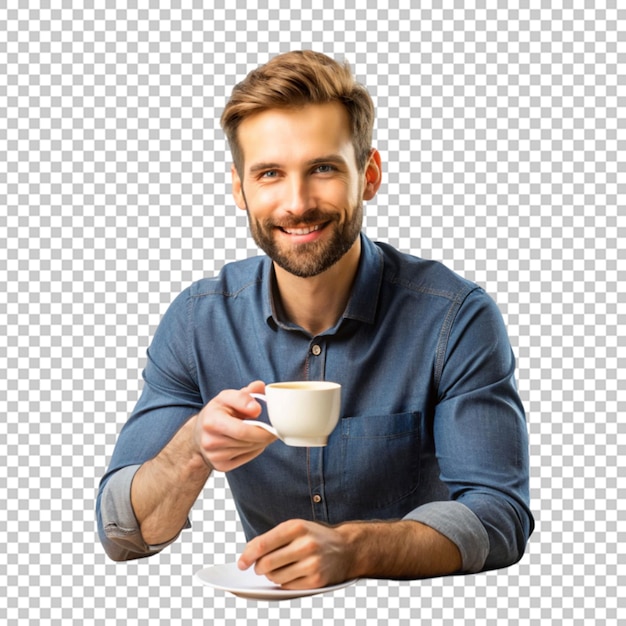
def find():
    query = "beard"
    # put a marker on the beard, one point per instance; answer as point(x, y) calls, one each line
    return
point(309, 259)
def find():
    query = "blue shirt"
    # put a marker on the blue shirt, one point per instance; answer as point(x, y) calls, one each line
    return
point(432, 427)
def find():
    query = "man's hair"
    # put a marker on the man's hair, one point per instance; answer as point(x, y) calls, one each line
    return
point(296, 79)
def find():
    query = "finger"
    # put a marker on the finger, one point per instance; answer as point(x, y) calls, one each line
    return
point(256, 386)
point(292, 577)
point(236, 403)
point(302, 572)
point(260, 546)
point(224, 437)
point(230, 460)
point(270, 543)
point(217, 416)
point(227, 431)
point(288, 578)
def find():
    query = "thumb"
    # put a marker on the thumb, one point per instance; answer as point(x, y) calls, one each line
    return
point(256, 386)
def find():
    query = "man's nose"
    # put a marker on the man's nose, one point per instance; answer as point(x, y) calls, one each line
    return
point(298, 198)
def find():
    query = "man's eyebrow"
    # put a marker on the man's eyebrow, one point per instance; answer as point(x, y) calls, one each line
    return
point(329, 158)
point(259, 167)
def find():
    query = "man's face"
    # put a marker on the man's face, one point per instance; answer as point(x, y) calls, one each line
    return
point(300, 186)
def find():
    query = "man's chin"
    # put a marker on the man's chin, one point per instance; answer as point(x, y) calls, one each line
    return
point(302, 270)
point(308, 263)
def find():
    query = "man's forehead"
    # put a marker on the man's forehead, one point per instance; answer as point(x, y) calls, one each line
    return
point(310, 132)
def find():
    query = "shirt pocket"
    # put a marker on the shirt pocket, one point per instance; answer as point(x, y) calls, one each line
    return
point(381, 459)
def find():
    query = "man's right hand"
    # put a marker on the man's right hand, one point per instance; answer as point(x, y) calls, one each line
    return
point(223, 440)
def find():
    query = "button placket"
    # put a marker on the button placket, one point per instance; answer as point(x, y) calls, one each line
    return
point(315, 467)
point(316, 360)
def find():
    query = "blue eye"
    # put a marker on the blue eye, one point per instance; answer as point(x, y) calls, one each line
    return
point(324, 169)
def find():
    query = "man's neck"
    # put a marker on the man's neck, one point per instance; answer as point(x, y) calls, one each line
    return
point(315, 304)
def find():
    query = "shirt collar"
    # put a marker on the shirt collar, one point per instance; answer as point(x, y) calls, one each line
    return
point(366, 289)
point(363, 299)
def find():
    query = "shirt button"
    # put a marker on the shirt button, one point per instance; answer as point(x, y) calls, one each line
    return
point(317, 498)
point(316, 350)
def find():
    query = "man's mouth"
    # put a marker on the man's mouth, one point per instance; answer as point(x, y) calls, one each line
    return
point(302, 231)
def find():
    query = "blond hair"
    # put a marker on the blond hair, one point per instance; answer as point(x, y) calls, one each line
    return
point(296, 79)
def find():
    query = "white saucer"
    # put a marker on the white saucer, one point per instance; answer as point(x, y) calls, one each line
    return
point(247, 584)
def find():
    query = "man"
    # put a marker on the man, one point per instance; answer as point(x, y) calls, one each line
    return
point(427, 472)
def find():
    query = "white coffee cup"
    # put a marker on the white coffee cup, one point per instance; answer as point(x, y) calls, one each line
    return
point(302, 413)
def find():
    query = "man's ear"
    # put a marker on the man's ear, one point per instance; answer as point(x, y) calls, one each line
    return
point(373, 175)
point(240, 200)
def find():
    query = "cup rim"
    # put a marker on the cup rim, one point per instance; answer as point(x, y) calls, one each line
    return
point(305, 385)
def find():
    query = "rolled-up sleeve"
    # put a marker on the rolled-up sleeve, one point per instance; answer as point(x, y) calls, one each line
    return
point(118, 528)
point(461, 526)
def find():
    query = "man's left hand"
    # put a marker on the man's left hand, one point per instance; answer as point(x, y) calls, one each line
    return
point(298, 554)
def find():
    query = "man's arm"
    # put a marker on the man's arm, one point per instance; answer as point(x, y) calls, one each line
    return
point(142, 507)
point(299, 554)
point(165, 488)
point(402, 549)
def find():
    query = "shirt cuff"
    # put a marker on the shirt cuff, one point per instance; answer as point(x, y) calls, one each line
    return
point(460, 525)
point(118, 518)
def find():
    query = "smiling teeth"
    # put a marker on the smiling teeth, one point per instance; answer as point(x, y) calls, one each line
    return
point(301, 231)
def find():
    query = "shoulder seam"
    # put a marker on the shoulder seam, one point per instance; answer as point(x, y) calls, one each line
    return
point(225, 293)
point(444, 334)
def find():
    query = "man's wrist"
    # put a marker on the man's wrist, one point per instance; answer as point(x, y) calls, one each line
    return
point(361, 540)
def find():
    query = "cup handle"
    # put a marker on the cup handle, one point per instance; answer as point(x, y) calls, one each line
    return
point(267, 427)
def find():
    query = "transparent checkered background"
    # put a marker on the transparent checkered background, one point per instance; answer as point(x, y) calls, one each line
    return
point(503, 135)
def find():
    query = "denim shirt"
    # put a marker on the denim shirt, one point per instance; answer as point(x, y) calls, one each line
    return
point(431, 427)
